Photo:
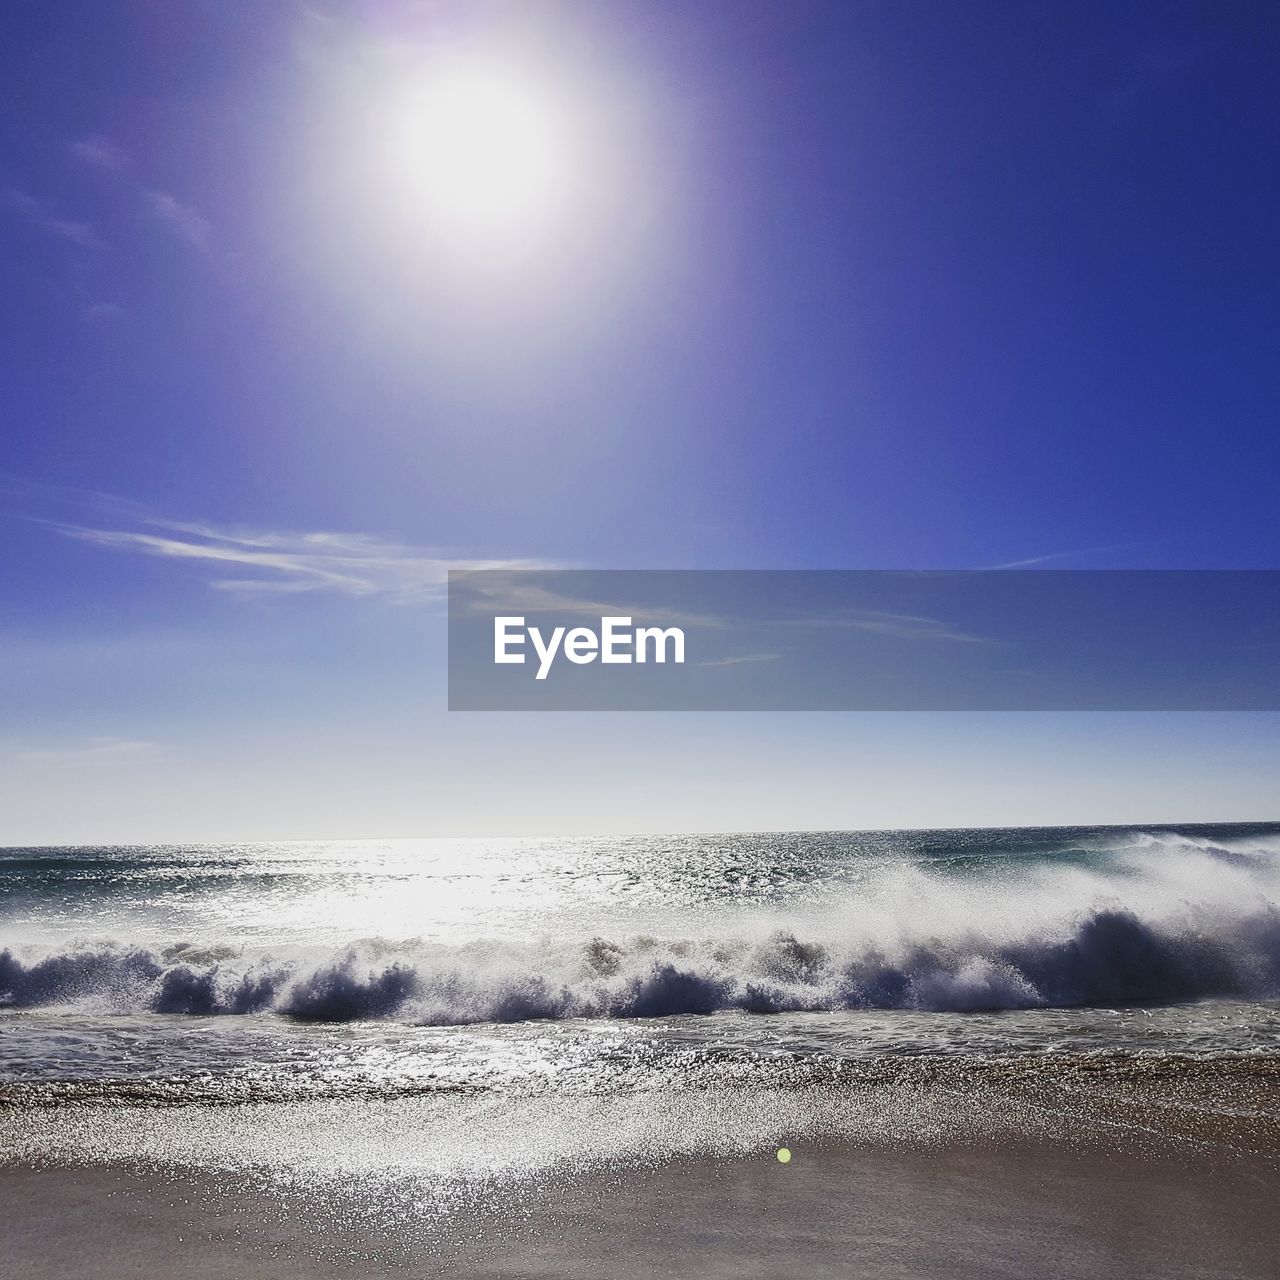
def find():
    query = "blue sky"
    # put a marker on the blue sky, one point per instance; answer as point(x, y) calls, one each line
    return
point(830, 285)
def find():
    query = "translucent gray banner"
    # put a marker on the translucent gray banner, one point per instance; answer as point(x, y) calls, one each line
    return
point(864, 640)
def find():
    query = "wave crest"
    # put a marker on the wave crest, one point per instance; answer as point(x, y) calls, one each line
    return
point(1109, 957)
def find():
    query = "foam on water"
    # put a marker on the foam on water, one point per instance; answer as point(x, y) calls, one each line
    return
point(121, 963)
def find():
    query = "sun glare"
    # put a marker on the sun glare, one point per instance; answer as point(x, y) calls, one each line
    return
point(482, 153)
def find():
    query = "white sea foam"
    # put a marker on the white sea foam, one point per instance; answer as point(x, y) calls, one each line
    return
point(1147, 919)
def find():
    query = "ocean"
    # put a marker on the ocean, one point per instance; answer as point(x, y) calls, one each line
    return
point(396, 1050)
point(691, 992)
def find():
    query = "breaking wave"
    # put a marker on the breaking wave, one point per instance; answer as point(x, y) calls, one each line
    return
point(1149, 920)
point(1110, 958)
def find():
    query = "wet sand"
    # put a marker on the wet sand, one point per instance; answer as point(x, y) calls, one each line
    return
point(837, 1210)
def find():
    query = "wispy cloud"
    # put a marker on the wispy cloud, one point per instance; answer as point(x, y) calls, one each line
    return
point(180, 219)
point(177, 217)
point(259, 562)
point(100, 153)
point(897, 626)
point(1049, 557)
point(102, 312)
point(738, 659)
point(87, 749)
point(1032, 561)
point(515, 594)
point(534, 597)
point(39, 214)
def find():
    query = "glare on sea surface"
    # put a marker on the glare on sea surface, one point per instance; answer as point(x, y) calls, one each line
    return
point(480, 151)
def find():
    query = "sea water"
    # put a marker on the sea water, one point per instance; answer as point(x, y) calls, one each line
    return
point(312, 968)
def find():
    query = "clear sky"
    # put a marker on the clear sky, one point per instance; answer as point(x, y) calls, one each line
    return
point(302, 304)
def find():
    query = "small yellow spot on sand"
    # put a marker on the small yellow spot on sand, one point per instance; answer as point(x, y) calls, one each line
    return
point(784, 1155)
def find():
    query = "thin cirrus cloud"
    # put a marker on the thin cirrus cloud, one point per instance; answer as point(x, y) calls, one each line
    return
point(85, 750)
point(263, 563)
point(100, 153)
point(39, 214)
point(102, 312)
point(180, 219)
point(736, 660)
point(896, 626)
point(1031, 562)
point(519, 596)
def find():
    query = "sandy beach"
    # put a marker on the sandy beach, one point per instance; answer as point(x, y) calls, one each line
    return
point(1042, 1169)
point(1039, 1210)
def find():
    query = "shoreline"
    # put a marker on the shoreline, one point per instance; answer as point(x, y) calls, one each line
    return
point(961, 1211)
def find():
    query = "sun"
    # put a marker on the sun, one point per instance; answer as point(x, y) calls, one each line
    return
point(481, 152)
